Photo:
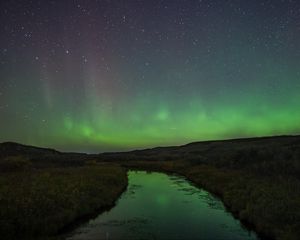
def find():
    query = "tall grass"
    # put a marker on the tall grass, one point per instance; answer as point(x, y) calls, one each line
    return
point(41, 202)
point(271, 204)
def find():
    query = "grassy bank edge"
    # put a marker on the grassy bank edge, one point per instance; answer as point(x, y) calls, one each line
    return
point(47, 204)
point(64, 232)
point(223, 183)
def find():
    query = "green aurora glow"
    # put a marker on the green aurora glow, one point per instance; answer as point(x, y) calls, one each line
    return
point(148, 83)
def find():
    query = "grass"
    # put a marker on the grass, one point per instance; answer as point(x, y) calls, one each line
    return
point(270, 204)
point(258, 179)
point(37, 203)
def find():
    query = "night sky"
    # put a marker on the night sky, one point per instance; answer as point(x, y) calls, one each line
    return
point(115, 75)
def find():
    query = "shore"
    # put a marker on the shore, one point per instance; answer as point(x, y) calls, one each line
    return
point(267, 205)
point(40, 203)
point(42, 190)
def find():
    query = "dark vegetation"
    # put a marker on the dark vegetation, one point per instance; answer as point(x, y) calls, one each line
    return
point(39, 202)
point(257, 178)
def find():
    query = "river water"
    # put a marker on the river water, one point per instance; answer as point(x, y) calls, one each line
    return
point(161, 206)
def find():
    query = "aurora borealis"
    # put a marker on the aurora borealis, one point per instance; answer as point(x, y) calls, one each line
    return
point(115, 75)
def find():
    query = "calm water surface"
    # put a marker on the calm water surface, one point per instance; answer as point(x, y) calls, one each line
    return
point(160, 206)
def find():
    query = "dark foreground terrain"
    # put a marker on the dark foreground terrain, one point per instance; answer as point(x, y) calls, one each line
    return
point(35, 203)
point(42, 190)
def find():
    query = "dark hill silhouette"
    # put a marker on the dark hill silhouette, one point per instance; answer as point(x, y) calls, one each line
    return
point(257, 178)
point(12, 148)
point(268, 155)
point(265, 155)
point(42, 157)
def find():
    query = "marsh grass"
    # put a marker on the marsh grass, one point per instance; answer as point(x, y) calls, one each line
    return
point(258, 179)
point(41, 202)
point(270, 204)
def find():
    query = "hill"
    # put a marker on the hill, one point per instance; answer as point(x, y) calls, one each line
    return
point(264, 155)
point(42, 157)
point(258, 179)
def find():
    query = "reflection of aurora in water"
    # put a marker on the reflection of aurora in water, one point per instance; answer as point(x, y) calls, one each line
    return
point(157, 206)
point(204, 196)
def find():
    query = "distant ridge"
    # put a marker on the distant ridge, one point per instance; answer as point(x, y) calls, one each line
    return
point(42, 157)
point(13, 148)
point(231, 140)
point(246, 139)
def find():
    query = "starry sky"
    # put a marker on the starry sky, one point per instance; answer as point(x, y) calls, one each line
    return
point(112, 75)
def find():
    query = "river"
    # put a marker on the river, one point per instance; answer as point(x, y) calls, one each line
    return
point(160, 206)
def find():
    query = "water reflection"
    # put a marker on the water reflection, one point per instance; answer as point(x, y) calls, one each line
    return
point(159, 206)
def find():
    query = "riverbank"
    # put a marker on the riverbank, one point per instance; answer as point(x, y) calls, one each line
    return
point(42, 202)
point(257, 178)
point(163, 206)
point(270, 205)
point(39, 203)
